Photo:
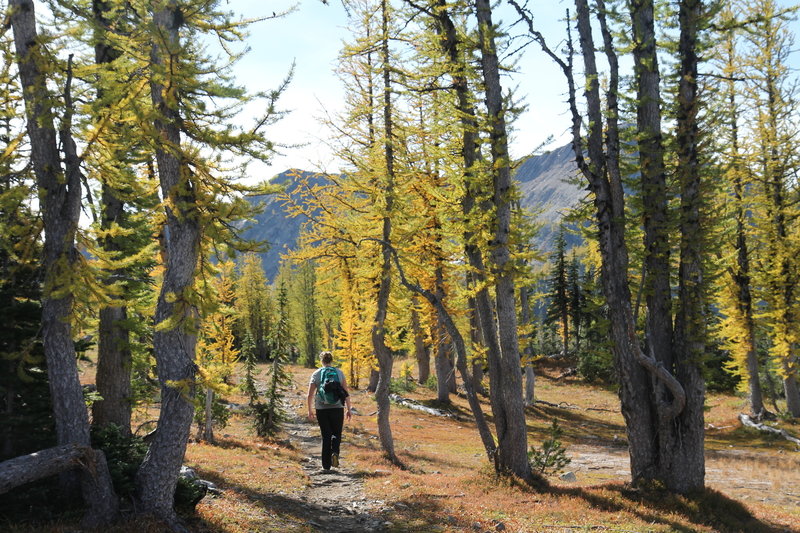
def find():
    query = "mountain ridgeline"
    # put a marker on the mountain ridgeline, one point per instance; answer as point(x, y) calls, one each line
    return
point(546, 181)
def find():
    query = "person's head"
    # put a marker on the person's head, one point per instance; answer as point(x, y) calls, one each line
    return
point(326, 358)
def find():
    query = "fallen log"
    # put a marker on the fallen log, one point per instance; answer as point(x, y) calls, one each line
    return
point(45, 463)
point(565, 405)
point(748, 422)
point(411, 404)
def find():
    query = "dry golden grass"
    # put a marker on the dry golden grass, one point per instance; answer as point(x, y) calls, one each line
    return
point(448, 485)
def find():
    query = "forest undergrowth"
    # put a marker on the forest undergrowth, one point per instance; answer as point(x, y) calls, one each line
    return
point(449, 486)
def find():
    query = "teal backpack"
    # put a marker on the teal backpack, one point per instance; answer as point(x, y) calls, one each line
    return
point(328, 392)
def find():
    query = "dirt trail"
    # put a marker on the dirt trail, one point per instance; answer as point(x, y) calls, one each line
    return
point(335, 500)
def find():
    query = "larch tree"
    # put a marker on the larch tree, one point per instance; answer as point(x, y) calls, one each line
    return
point(175, 338)
point(505, 374)
point(772, 101)
point(661, 391)
point(737, 327)
point(26, 421)
point(59, 189)
point(387, 201)
point(216, 354)
point(253, 303)
point(114, 355)
point(116, 159)
point(200, 199)
point(421, 347)
point(480, 221)
point(683, 450)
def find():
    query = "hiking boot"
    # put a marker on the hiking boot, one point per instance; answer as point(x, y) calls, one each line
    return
point(334, 460)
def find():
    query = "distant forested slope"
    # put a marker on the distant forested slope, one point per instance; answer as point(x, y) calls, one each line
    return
point(544, 181)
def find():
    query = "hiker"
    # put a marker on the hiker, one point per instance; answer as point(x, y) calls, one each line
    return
point(328, 389)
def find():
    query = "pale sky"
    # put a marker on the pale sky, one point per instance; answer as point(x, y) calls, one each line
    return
point(312, 36)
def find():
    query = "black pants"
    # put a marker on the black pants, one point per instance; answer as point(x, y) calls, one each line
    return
point(330, 423)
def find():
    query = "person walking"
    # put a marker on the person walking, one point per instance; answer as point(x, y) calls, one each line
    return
point(331, 403)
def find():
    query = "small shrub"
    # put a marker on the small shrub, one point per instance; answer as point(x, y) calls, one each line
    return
point(220, 414)
point(552, 458)
point(432, 383)
point(188, 493)
point(124, 455)
point(402, 385)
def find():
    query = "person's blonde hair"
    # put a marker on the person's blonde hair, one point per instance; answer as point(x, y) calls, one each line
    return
point(326, 357)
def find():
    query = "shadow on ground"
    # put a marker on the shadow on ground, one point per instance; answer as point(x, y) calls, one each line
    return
point(707, 508)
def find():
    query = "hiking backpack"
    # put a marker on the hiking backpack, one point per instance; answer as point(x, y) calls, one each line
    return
point(329, 386)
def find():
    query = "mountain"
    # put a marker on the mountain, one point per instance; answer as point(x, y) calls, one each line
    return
point(273, 225)
point(547, 186)
point(544, 182)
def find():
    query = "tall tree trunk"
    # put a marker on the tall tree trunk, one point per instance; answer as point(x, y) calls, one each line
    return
point(476, 337)
point(10, 393)
point(470, 154)
point(656, 285)
point(741, 272)
point(784, 284)
point(481, 304)
point(791, 391)
point(174, 346)
point(208, 423)
point(444, 369)
point(59, 201)
point(114, 355)
point(505, 373)
point(374, 377)
point(684, 463)
point(421, 353)
point(530, 378)
point(637, 372)
point(653, 183)
point(113, 370)
point(382, 351)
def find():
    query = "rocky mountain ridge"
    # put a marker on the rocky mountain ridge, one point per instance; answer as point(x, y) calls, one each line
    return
point(546, 182)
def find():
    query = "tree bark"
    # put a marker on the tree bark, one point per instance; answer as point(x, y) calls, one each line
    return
point(59, 201)
point(476, 337)
point(113, 377)
point(174, 345)
point(504, 372)
point(208, 423)
point(444, 369)
point(684, 461)
point(792, 393)
point(483, 307)
point(49, 462)
point(653, 183)
point(421, 353)
point(95, 481)
point(385, 360)
point(530, 377)
point(114, 355)
point(635, 369)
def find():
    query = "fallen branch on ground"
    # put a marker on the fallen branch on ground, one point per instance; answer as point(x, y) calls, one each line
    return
point(411, 404)
point(565, 405)
point(748, 422)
